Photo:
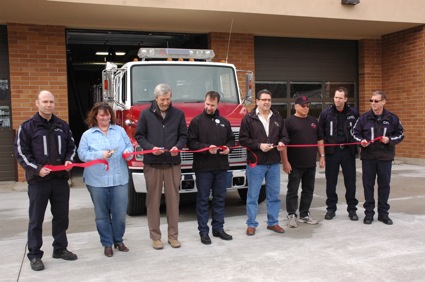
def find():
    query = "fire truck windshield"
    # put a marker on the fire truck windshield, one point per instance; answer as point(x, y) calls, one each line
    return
point(189, 82)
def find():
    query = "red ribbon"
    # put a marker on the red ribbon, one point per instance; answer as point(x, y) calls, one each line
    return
point(126, 155)
point(253, 164)
point(87, 164)
point(329, 145)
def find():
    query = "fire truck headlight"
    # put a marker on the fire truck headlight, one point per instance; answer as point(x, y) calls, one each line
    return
point(138, 157)
point(128, 122)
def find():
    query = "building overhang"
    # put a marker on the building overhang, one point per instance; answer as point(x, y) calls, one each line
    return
point(285, 18)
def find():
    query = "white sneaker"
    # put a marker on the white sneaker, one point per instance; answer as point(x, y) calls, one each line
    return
point(308, 219)
point(292, 223)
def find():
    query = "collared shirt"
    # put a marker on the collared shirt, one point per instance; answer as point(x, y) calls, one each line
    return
point(92, 145)
point(264, 121)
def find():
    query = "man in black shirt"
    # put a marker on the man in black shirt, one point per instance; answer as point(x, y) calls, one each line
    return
point(300, 162)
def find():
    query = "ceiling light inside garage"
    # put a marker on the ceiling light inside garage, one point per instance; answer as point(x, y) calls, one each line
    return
point(107, 53)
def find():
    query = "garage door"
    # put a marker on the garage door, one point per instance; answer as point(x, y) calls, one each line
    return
point(290, 67)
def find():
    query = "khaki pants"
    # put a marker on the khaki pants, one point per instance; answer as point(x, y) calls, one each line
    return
point(156, 177)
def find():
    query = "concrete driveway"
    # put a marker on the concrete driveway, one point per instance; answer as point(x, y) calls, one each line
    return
point(334, 250)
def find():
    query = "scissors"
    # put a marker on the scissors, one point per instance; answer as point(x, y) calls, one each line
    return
point(113, 150)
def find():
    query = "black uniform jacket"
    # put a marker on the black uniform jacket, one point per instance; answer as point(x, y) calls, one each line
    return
point(206, 130)
point(40, 142)
point(328, 121)
point(369, 127)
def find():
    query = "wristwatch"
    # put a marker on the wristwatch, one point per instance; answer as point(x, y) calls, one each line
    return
point(322, 155)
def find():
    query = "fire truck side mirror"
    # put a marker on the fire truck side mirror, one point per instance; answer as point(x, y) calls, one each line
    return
point(248, 88)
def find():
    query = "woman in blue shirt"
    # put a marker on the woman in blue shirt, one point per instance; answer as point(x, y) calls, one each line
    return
point(108, 188)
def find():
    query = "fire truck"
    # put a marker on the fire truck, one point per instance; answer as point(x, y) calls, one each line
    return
point(191, 74)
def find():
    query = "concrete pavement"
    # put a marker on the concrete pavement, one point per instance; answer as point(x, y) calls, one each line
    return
point(334, 250)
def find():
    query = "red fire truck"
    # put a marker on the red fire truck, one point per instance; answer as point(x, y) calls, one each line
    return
point(190, 73)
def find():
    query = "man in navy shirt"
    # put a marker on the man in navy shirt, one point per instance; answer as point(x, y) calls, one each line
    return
point(377, 156)
point(337, 122)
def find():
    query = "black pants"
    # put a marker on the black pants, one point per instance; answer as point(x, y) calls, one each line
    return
point(40, 193)
point(343, 158)
point(214, 181)
point(371, 170)
point(305, 176)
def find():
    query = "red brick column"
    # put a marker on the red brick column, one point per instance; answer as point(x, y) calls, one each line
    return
point(370, 71)
point(37, 58)
point(403, 69)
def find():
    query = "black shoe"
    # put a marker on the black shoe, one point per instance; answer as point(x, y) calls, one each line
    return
point(385, 219)
point(65, 254)
point(368, 220)
point(329, 215)
point(36, 264)
point(353, 216)
point(205, 239)
point(222, 235)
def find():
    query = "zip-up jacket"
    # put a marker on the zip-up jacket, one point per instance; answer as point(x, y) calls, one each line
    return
point(369, 127)
point(40, 142)
point(155, 131)
point(206, 130)
point(252, 134)
point(328, 121)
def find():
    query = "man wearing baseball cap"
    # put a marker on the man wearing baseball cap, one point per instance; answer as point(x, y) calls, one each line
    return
point(300, 162)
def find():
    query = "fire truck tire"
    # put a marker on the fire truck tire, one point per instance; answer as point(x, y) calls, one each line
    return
point(136, 201)
point(261, 197)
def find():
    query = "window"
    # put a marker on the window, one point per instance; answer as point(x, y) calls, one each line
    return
point(319, 93)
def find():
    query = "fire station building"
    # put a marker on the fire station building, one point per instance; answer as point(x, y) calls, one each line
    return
point(292, 47)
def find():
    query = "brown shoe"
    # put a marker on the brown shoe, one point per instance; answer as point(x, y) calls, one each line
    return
point(121, 247)
point(108, 252)
point(250, 231)
point(174, 243)
point(157, 244)
point(276, 228)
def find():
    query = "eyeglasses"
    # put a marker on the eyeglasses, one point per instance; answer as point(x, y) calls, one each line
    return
point(305, 105)
point(265, 100)
point(374, 101)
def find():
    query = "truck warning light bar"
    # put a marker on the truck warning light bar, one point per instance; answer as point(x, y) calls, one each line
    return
point(165, 53)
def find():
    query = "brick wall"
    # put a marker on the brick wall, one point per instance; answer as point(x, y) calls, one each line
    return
point(403, 80)
point(37, 58)
point(241, 52)
point(370, 71)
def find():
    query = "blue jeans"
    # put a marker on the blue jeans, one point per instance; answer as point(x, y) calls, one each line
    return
point(207, 181)
point(371, 169)
point(306, 177)
point(110, 205)
point(271, 174)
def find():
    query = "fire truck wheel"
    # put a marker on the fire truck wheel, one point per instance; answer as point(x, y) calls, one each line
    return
point(261, 197)
point(136, 201)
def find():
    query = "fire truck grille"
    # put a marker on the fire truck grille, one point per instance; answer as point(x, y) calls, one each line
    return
point(236, 155)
